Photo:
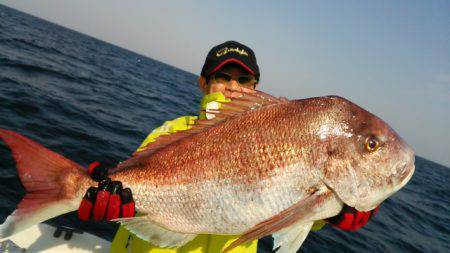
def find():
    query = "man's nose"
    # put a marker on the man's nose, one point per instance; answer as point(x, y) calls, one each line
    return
point(233, 84)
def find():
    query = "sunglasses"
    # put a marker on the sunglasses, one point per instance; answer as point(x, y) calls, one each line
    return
point(245, 80)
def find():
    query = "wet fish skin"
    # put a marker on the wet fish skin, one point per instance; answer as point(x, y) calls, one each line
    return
point(274, 168)
point(266, 160)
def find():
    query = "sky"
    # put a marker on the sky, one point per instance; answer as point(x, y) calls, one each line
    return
point(390, 57)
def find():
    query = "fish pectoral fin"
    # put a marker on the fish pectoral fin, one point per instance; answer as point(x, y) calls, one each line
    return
point(291, 238)
point(148, 231)
point(297, 213)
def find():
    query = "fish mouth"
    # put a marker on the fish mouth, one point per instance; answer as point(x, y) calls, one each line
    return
point(396, 182)
point(401, 177)
point(404, 175)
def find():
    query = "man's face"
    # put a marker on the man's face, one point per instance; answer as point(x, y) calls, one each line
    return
point(231, 77)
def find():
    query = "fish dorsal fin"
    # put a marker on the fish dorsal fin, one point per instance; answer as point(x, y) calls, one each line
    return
point(294, 214)
point(242, 101)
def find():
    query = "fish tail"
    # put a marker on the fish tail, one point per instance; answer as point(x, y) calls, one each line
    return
point(43, 173)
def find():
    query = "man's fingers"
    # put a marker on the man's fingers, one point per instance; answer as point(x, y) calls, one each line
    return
point(114, 201)
point(361, 219)
point(128, 207)
point(108, 201)
point(101, 202)
point(87, 203)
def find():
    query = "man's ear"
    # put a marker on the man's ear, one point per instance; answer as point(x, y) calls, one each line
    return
point(203, 84)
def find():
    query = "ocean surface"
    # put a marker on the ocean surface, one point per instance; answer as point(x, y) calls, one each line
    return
point(89, 100)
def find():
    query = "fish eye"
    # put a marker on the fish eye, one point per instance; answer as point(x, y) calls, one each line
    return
point(371, 144)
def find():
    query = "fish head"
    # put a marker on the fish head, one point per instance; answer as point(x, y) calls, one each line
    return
point(366, 160)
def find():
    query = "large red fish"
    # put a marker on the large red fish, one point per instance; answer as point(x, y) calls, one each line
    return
point(261, 166)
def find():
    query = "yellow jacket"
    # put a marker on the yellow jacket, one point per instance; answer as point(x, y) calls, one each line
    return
point(125, 242)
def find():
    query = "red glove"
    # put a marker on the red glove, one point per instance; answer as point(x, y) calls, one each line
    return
point(107, 201)
point(351, 219)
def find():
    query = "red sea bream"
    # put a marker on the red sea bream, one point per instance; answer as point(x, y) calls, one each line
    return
point(261, 166)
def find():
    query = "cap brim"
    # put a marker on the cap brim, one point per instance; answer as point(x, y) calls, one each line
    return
point(233, 60)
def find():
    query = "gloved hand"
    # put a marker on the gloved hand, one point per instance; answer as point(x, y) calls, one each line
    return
point(351, 219)
point(107, 201)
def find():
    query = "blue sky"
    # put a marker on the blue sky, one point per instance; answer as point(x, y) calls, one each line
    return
point(390, 57)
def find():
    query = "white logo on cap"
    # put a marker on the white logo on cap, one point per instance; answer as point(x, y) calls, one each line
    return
point(226, 50)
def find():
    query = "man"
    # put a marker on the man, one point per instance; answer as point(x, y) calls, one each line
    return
point(228, 66)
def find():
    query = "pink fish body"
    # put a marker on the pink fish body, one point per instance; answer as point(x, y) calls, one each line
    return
point(261, 166)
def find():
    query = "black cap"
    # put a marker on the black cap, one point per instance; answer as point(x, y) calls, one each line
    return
point(230, 51)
